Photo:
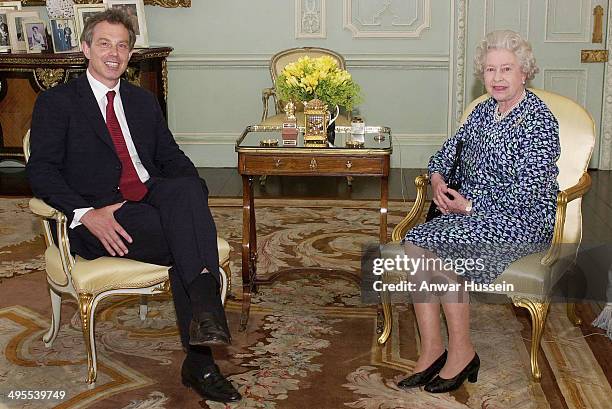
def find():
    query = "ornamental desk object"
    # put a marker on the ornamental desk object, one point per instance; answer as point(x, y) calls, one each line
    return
point(316, 118)
point(290, 130)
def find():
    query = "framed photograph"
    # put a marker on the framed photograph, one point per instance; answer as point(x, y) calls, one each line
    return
point(81, 13)
point(35, 34)
point(5, 42)
point(64, 35)
point(135, 11)
point(10, 5)
point(17, 37)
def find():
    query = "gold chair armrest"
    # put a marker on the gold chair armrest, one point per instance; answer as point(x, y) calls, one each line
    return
point(266, 93)
point(412, 217)
point(563, 198)
point(40, 208)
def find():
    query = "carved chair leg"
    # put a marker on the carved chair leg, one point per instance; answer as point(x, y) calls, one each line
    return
point(387, 318)
point(226, 281)
point(538, 312)
point(56, 314)
point(571, 314)
point(144, 307)
point(87, 322)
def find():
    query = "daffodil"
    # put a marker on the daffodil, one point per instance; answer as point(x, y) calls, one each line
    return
point(309, 78)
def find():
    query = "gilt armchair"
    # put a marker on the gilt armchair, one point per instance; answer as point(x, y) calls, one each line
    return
point(535, 275)
point(277, 64)
point(91, 281)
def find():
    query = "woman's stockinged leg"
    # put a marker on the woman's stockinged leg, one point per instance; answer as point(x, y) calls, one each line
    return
point(427, 311)
point(460, 348)
point(428, 320)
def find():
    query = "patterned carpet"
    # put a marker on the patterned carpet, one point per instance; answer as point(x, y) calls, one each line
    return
point(309, 344)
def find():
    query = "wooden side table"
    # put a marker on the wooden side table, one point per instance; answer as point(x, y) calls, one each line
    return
point(254, 159)
point(23, 76)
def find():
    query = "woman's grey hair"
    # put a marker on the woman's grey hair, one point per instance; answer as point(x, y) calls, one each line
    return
point(507, 40)
point(112, 16)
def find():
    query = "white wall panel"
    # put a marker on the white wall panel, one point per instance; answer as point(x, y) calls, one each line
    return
point(569, 83)
point(507, 15)
point(568, 20)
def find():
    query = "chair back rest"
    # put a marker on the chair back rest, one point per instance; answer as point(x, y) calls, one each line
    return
point(56, 270)
point(280, 60)
point(577, 139)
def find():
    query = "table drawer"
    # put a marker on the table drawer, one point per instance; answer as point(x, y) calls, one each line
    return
point(311, 165)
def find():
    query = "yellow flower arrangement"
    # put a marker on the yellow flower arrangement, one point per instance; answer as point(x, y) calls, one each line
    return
point(321, 78)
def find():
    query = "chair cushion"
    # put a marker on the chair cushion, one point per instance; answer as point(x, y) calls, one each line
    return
point(109, 273)
point(530, 278)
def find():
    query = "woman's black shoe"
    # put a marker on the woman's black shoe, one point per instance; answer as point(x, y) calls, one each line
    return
point(470, 372)
point(421, 378)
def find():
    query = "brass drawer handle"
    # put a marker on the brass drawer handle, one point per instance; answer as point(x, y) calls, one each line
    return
point(277, 163)
point(349, 164)
point(313, 164)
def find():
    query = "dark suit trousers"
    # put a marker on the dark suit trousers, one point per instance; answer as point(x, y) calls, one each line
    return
point(172, 225)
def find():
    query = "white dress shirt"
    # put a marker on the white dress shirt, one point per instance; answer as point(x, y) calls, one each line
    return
point(100, 90)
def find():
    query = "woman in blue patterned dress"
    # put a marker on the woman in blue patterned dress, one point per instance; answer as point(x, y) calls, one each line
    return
point(504, 209)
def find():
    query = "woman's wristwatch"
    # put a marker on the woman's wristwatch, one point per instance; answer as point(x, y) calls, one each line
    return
point(468, 208)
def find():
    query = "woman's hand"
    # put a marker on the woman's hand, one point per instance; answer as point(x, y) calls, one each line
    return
point(439, 190)
point(456, 204)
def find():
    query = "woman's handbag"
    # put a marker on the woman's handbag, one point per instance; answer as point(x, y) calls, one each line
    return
point(453, 183)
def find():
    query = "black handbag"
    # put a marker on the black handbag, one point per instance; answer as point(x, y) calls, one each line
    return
point(453, 183)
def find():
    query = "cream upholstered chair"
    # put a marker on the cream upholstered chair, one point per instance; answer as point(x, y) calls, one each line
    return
point(91, 281)
point(535, 275)
point(277, 64)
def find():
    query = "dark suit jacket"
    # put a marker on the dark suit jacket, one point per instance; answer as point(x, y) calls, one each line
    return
point(73, 163)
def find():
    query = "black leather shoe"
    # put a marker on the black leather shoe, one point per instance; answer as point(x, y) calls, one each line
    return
point(207, 329)
point(470, 372)
point(210, 384)
point(421, 378)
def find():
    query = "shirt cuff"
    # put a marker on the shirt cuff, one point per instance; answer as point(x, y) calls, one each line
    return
point(78, 213)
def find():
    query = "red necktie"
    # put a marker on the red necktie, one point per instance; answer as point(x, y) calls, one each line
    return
point(130, 185)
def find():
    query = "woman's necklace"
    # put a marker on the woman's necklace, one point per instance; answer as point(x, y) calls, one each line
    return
point(498, 116)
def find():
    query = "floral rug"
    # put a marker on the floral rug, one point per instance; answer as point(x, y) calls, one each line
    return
point(310, 343)
point(21, 240)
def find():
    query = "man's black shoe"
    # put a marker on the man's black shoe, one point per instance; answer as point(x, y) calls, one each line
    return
point(207, 329)
point(210, 384)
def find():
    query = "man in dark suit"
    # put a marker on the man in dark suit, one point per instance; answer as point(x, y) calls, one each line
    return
point(101, 152)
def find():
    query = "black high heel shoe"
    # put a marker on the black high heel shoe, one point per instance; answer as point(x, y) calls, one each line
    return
point(470, 372)
point(423, 377)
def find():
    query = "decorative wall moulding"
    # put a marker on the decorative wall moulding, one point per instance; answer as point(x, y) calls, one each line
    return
point(568, 21)
point(605, 142)
point(310, 21)
point(504, 15)
point(387, 18)
point(163, 3)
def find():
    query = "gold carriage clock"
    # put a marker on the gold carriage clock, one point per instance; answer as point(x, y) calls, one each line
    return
point(315, 127)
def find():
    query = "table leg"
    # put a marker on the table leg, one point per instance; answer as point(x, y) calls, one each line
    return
point(383, 316)
point(384, 202)
point(248, 252)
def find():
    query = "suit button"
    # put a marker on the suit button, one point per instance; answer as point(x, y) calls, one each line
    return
point(118, 167)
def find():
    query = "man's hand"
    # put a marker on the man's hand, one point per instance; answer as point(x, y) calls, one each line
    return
point(102, 224)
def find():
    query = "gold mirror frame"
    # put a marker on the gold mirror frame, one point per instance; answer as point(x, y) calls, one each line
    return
point(163, 3)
